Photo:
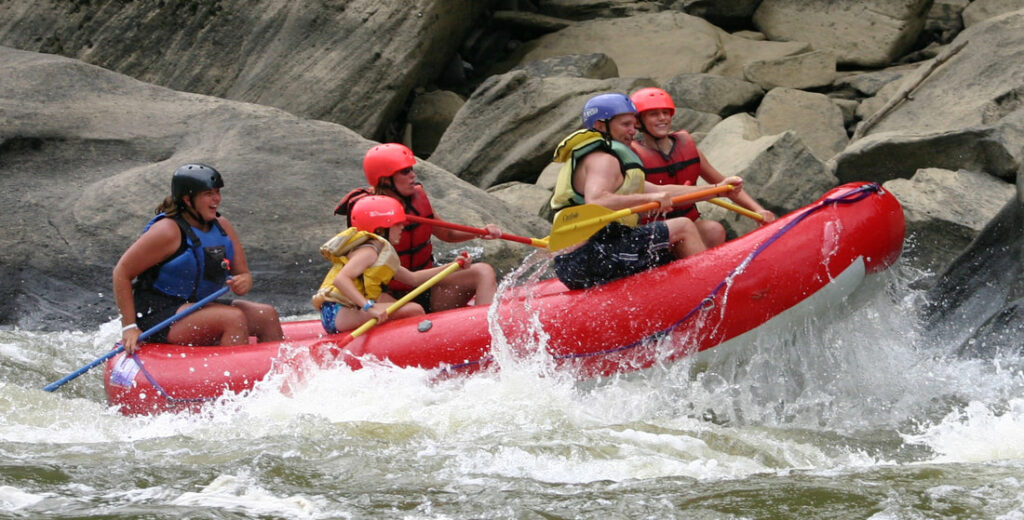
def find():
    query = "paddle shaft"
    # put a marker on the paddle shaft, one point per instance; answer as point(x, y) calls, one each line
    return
point(535, 242)
point(738, 209)
point(152, 330)
point(650, 206)
point(575, 224)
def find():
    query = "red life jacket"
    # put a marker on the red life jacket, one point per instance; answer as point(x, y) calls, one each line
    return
point(680, 166)
point(415, 248)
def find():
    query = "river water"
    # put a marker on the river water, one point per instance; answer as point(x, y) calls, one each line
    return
point(853, 412)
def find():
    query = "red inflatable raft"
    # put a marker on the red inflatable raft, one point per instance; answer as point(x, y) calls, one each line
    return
point(687, 306)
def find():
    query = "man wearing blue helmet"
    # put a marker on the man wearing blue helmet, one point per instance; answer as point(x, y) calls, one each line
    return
point(600, 168)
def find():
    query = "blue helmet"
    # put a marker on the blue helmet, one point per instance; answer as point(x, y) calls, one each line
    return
point(603, 107)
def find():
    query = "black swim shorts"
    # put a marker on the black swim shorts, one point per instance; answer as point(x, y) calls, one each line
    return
point(614, 252)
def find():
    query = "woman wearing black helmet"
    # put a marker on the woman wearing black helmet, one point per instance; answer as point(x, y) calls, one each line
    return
point(186, 253)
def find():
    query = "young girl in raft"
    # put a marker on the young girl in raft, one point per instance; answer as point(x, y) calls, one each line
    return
point(365, 261)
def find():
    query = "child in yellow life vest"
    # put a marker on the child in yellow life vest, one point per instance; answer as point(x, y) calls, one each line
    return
point(364, 261)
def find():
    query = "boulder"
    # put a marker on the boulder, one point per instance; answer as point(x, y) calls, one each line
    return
point(980, 10)
point(593, 66)
point(962, 111)
point(714, 94)
point(801, 71)
point(976, 303)
point(974, 86)
point(429, 117)
point(530, 198)
point(945, 210)
point(642, 45)
point(813, 117)
point(778, 170)
point(510, 126)
point(870, 33)
point(353, 63)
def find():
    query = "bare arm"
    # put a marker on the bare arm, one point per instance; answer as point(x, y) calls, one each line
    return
point(359, 260)
point(156, 244)
point(599, 175)
point(416, 278)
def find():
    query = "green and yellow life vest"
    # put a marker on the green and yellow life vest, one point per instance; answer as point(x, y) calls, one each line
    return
point(571, 151)
point(371, 283)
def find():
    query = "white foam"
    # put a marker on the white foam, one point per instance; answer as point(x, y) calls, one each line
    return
point(240, 493)
point(13, 499)
point(976, 434)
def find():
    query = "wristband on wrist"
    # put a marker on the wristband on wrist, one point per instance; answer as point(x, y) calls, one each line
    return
point(369, 304)
point(126, 328)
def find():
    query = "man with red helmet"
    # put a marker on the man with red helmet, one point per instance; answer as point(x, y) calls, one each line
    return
point(389, 170)
point(673, 158)
point(364, 261)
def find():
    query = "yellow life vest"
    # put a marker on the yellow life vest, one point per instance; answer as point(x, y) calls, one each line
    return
point(371, 283)
point(573, 148)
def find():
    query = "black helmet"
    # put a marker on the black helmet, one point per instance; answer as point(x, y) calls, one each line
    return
point(193, 178)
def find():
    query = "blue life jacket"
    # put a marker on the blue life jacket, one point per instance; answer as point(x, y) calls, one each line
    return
point(196, 269)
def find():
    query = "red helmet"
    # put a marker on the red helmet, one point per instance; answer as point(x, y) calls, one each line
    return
point(385, 159)
point(652, 98)
point(377, 211)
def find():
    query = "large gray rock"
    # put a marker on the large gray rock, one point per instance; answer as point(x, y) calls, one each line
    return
point(868, 33)
point(509, 127)
point(353, 63)
point(593, 66)
point(980, 10)
point(714, 94)
point(814, 117)
point(590, 9)
point(966, 114)
point(978, 302)
point(802, 71)
point(88, 154)
point(719, 12)
point(778, 170)
point(658, 45)
point(945, 211)
point(429, 117)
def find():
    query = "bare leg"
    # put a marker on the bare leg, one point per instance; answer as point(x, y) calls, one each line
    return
point(458, 288)
point(711, 232)
point(684, 237)
point(214, 324)
point(263, 320)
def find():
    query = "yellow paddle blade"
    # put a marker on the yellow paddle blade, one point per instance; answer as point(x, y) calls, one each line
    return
point(575, 224)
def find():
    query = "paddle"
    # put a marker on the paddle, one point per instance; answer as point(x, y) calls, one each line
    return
point(420, 289)
point(535, 242)
point(577, 223)
point(738, 209)
point(153, 330)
